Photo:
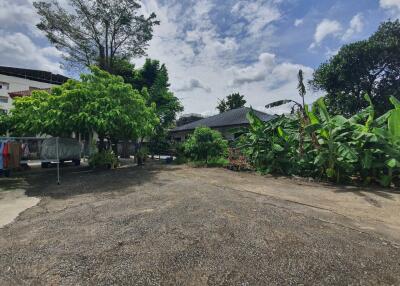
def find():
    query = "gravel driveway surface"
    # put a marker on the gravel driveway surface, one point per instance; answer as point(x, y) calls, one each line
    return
point(175, 225)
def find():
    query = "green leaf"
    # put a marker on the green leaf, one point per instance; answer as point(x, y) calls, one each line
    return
point(392, 163)
point(385, 180)
point(278, 148)
point(395, 102)
point(394, 124)
point(323, 110)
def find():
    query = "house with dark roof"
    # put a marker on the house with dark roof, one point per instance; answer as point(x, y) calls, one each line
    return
point(16, 82)
point(226, 123)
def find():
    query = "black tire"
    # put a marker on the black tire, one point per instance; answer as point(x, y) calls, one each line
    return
point(77, 162)
point(45, 165)
point(7, 173)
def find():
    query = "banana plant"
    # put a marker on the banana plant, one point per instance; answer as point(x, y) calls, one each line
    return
point(335, 157)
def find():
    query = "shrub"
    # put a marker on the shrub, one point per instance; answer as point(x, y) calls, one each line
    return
point(104, 159)
point(205, 145)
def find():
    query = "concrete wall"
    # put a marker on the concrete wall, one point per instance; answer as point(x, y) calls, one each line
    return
point(13, 84)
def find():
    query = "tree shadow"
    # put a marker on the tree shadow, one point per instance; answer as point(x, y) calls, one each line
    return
point(83, 180)
point(368, 192)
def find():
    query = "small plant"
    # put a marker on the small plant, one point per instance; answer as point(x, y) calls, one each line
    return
point(205, 145)
point(141, 155)
point(104, 159)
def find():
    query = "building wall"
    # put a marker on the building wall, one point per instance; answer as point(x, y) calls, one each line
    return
point(13, 84)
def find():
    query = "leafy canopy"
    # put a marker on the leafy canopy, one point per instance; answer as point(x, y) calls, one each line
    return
point(232, 101)
point(100, 102)
point(96, 32)
point(371, 66)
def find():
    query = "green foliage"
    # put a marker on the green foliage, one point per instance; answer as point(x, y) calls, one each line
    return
point(205, 145)
point(4, 123)
point(371, 66)
point(336, 148)
point(233, 101)
point(100, 102)
point(104, 159)
point(154, 78)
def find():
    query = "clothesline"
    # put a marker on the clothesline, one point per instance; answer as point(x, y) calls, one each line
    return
point(24, 138)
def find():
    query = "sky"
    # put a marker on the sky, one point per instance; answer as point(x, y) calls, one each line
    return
point(216, 47)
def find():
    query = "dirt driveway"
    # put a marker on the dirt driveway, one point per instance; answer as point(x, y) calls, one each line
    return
point(175, 225)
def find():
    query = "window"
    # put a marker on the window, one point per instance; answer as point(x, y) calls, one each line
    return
point(3, 99)
point(4, 85)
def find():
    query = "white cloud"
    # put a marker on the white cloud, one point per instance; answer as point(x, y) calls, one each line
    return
point(18, 14)
point(268, 80)
point(326, 28)
point(393, 6)
point(204, 65)
point(390, 4)
point(356, 26)
point(258, 13)
point(253, 73)
point(330, 53)
point(298, 22)
point(18, 50)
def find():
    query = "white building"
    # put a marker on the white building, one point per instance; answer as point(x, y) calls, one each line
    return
point(21, 82)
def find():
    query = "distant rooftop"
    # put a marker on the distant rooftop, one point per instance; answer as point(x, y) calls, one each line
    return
point(36, 75)
point(192, 114)
point(28, 92)
point(234, 117)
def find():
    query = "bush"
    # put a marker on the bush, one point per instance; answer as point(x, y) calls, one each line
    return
point(104, 159)
point(205, 145)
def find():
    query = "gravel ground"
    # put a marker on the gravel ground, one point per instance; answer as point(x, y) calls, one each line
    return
point(174, 225)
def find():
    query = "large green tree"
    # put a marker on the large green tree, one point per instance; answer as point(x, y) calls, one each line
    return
point(96, 32)
point(232, 101)
point(371, 66)
point(100, 103)
point(153, 77)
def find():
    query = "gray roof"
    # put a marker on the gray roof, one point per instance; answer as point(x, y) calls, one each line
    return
point(232, 117)
point(36, 75)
